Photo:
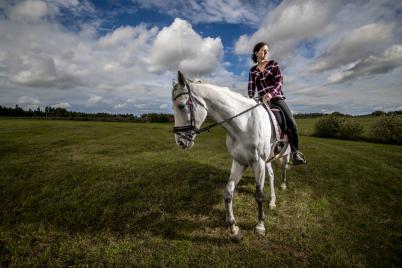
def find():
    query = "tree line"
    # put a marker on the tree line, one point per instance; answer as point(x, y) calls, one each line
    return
point(316, 115)
point(62, 113)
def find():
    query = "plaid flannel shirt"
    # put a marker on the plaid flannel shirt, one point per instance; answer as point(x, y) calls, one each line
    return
point(268, 81)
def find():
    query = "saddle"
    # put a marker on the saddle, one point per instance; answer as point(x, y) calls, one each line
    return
point(278, 123)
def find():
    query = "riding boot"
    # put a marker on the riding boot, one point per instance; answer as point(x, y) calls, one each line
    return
point(298, 158)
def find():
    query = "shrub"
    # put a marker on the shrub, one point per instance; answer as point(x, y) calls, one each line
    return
point(351, 129)
point(328, 126)
point(378, 113)
point(387, 129)
point(335, 126)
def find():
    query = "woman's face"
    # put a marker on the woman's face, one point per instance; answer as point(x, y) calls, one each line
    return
point(262, 54)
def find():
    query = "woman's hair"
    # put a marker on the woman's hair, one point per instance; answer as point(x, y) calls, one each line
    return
point(257, 48)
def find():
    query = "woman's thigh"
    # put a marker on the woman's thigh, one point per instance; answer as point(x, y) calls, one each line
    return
point(290, 121)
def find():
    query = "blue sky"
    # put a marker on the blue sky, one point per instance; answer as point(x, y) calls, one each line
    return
point(121, 56)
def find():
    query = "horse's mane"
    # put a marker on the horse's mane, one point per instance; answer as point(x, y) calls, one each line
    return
point(222, 89)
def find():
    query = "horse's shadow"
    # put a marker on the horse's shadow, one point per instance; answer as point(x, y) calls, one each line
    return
point(182, 199)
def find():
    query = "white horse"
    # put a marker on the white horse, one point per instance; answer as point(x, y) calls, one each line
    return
point(249, 137)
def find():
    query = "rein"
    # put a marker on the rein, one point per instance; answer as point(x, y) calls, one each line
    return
point(207, 128)
point(187, 132)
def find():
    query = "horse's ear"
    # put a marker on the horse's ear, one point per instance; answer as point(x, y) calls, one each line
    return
point(174, 83)
point(181, 78)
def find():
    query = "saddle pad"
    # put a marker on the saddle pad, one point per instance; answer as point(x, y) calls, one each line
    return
point(274, 122)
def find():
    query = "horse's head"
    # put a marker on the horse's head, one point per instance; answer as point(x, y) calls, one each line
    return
point(189, 112)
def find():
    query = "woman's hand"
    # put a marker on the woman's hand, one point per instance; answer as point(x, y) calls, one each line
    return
point(267, 97)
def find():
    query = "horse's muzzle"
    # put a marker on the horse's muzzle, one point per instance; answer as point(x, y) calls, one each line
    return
point(185, 141)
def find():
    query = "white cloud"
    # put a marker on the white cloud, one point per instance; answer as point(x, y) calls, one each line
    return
point(180, 47)
point(94, 100)
point(163, 106)
point(120, 35)
point(355, 45)
point(123, 36)
point(69, 60)
point(30, 10)
point(35, 70)
point(27, 102)
point(288, 24)
point(120, 106)
point(64, 105)
point(373, 65)
point(124, 105)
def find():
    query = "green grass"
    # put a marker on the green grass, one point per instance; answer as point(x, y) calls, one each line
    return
point(306, 126)
point(123, 194)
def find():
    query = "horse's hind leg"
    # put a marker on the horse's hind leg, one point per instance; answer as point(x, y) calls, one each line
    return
point(270, 171)
point(235, 176)
point(259, 171)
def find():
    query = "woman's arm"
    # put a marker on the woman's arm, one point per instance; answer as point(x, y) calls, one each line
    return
point(278, 77)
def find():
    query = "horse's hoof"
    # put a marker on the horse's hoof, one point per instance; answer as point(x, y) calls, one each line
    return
point(235, 234)
point(272, 206)
point(283, 186)
point(260, 229)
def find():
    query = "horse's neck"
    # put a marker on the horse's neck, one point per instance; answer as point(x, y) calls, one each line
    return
point(223, 104)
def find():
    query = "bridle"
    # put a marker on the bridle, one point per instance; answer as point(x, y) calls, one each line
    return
point(188, 132)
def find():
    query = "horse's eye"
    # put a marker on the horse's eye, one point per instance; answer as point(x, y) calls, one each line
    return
point(181, 106)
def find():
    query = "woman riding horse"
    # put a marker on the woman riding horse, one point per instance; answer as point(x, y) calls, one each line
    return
point(267, 78)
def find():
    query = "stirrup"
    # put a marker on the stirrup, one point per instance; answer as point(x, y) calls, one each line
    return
point(279, 146)
point(298, 158)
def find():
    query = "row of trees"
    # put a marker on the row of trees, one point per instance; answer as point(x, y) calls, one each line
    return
point(62, 113)
point(51, 112)
point(316, 115)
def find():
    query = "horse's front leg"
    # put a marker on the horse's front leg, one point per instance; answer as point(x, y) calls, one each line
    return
point(259, 171)
point(235, 176)
point(270, 171)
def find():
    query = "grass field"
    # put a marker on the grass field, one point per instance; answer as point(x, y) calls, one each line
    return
point(123, 194)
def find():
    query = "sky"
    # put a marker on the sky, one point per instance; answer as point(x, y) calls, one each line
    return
point(122, 56)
